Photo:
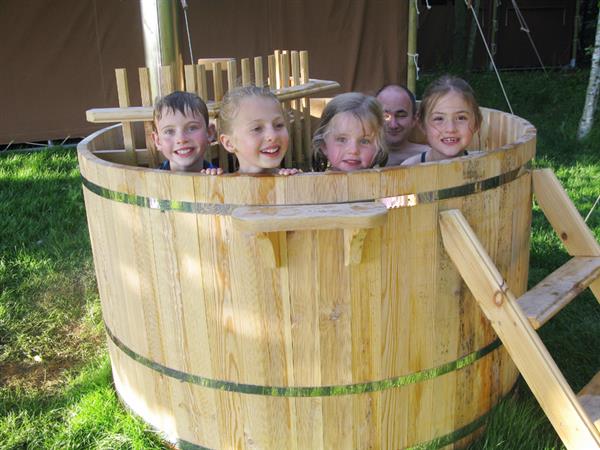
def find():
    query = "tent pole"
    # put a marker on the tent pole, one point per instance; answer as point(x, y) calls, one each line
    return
point(161, 41)
point(411, 75)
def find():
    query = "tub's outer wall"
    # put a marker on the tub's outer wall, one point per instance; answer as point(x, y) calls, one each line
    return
point(189, 292)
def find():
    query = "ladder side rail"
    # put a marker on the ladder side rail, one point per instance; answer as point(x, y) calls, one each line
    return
point(525, 347)
point(565, 219)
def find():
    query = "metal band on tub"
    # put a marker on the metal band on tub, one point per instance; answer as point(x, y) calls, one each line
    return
point(438, 442)
point(225, 209)
point(306, 391)
point(323, 391)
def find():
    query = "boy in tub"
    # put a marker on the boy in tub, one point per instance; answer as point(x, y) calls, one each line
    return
point(182, 133)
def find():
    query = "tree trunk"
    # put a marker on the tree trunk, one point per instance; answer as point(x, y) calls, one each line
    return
point(576, 31)
point(591, 97)
point(460, 25)
point(493, 47)
point(472, 34)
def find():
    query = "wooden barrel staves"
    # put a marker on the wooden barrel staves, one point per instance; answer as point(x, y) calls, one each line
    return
point(298, 312)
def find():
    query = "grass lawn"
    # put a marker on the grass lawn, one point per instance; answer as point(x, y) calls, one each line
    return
point(55, 381)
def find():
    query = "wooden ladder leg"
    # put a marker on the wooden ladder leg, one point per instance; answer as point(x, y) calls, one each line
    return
point(528, 352)
point(564, 218)
point(123, 93)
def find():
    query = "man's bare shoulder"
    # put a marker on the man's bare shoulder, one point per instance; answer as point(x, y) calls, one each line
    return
point(395, 158)
point(415, 159)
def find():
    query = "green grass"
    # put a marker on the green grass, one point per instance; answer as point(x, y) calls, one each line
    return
point(55, 384)
point(84, 414)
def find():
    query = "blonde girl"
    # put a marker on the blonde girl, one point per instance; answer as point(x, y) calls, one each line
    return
point(253, 128)
point(449, 116)
point(350, 135)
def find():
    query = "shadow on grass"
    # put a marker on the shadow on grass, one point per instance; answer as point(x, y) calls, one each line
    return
point(84, 414)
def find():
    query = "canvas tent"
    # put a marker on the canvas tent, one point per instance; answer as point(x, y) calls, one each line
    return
point(59, 56)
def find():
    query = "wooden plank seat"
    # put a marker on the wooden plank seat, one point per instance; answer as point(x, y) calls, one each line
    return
point(556, 291)
point(354, 218)
point(589, 397)
point(309, 217)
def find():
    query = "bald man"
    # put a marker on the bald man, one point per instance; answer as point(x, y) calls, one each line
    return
point(399, 112)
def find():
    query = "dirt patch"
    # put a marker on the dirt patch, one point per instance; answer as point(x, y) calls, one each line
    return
point(77, 344)
point(38, 375)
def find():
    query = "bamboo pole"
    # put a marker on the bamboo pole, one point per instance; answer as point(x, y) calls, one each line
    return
point(411, 73)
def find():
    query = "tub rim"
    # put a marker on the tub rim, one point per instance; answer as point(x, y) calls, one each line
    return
point(462, 174)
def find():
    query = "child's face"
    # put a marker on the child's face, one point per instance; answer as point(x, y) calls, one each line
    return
point(183, 139)
point(259, 137)
point(450, 126)
point(349, 143)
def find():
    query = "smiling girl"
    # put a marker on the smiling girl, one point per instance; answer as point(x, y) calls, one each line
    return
point(350, 135)
point(253, 128)
point(449, 116)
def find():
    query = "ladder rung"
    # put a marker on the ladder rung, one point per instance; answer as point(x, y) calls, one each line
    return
point(589, 397)
point(555, 291)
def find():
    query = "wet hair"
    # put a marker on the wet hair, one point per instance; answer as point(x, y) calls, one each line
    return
point(184, 102)
point(366, 109)
point(231, 104)
point(400, 87)
point(442, 86)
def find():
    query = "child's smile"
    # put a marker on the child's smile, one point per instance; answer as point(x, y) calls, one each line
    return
point(271, 151)
point(185, 152)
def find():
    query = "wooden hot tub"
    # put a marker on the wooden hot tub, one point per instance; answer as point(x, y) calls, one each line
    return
point(333, 323)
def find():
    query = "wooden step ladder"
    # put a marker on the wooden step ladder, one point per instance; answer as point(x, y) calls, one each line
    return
point(576, 419)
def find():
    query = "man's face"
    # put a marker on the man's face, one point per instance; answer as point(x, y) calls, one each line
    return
point(398, 114)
